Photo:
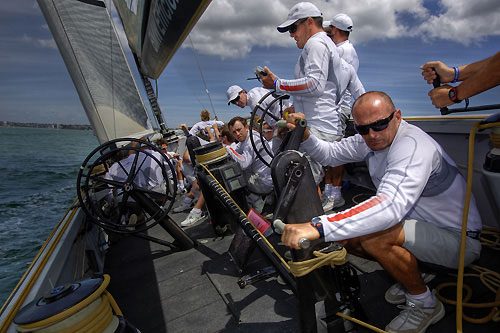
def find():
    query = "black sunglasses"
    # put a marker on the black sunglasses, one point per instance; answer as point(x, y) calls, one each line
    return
point(377, 126)
point(294, 26)
point(234, 101)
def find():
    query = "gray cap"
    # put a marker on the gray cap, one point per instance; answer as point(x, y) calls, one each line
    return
point(297, 12)
point(342, 22)
point(232, 92)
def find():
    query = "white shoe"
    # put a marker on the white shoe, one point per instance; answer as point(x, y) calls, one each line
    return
point(192, 219)
point(331, 203)
point(396, 294)
point(183, 207)
point(415, 317)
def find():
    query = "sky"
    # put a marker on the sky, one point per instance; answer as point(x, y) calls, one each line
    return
point(392, 38)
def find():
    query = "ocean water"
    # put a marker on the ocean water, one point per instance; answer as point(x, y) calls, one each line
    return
point(38, 169)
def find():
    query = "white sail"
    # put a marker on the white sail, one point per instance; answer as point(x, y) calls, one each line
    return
point(97, 64)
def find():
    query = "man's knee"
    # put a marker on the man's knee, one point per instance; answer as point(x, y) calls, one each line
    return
point(383, 240)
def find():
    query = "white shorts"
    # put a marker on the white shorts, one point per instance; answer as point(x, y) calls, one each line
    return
point(316, 168)
point(431, 244)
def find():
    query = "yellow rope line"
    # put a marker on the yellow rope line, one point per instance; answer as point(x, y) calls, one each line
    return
point(301, 268)
point(359, 322)
point(491, 280)
point(468, 193)
point(242, 212)
point(99, 292)
point(20, 300)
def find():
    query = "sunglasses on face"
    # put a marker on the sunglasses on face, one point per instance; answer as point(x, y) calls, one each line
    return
point(234, 101)
point(377, 126)
point(294, 26)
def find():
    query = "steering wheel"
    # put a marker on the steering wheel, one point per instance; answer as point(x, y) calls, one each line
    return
point(123, 177)
point(265, 114)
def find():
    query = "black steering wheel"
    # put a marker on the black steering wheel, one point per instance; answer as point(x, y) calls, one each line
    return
point(265, 114)
point(123, 177)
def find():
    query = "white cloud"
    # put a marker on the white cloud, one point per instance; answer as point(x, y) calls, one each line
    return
point(231, 28)
point(463, 21)
point(43, 43)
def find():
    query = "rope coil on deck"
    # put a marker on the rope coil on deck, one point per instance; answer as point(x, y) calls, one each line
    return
point(94, 313)
point(491, 280)
point(301, 268)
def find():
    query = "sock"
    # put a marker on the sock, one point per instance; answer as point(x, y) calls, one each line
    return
point(195, 210)
point(188, 200)
point(427, 298)
point(181, 183)
point(336, 193)
point(328, 189)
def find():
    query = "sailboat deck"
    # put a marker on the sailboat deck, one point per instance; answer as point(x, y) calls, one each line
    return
point(160, 290)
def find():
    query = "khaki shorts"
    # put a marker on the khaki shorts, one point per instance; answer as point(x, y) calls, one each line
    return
point(431, 244)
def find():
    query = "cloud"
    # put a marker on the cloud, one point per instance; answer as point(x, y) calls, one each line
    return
point(232, 28)
point(463, 21)
point(43, 43)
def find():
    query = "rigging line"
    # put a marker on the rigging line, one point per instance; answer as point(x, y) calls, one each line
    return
point(111, 64)
point(202, 78)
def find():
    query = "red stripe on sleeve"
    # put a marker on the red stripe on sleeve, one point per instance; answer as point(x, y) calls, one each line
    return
point(235, 152)
point(294, 88)
point(357, 210)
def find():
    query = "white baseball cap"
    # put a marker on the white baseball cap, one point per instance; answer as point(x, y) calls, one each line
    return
point(326, 24)
point(232, 92)
point(342, 22)
point(297, 12)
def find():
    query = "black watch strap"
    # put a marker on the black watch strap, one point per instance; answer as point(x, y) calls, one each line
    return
point(452, 94)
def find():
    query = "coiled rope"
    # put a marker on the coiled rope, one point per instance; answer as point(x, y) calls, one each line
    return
point(301, 268)
point(92, 314)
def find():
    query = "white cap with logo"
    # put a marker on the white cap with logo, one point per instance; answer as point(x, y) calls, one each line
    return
point(232, 92)
point(342, 22)
point(297, 12)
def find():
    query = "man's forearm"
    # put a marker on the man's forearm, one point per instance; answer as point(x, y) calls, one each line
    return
point(479, 76)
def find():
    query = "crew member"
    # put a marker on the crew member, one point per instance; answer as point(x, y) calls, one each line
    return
point(415, 215)
point(257, 174)
point(339, 29)
point(321, 77)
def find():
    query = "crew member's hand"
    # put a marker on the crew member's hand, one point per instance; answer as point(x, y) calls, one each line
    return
point(290, 109)
point(268, 80)
point(439, 96)
point(429, 70)
point(177, 156)
point(290, 123)
point(294, 232)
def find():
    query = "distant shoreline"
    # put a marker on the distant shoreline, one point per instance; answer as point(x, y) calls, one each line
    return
point(38, 125)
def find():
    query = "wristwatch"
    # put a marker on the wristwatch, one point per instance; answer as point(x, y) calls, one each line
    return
point(453, 95)
point(316, 222)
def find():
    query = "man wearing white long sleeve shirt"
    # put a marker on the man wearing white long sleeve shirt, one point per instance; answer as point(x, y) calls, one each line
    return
point(321, 76)
point(257, 174)
point(239, 97)
point(339, 29)
point(415, 215)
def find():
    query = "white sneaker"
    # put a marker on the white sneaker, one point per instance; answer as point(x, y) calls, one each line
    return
point(192, 218)
point(415, 317)
point(183, 207)
point(331, 203)
point(396, 294)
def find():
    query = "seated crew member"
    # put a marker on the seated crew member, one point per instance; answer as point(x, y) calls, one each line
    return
point(149, 175)
point(205, 127)
point(196, 214)
point(239, 97)
point(257, 174)
point(415, 215)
